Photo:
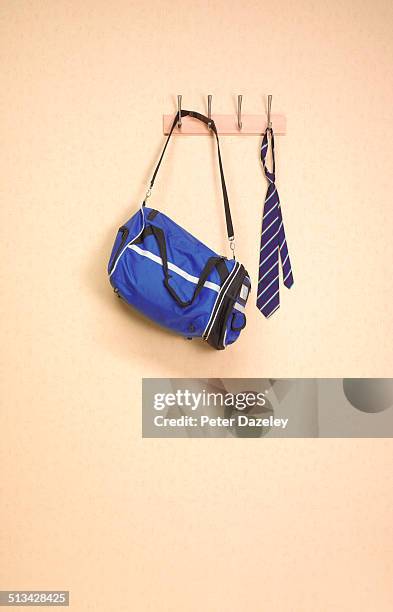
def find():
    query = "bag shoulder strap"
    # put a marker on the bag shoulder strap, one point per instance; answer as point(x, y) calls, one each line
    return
point(210, 123)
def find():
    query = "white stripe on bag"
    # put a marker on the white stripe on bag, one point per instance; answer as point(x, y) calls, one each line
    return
point(180, 272)
point(173, 267)
point(239, 307)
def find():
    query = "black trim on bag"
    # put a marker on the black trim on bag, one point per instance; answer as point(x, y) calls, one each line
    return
point(147, 231)
point(152, 214)
point(235, 328)
point(222, 271)
point(125, 231)
point(219, 300)
point(216, 334)
point(220, 265)
point(211, 263)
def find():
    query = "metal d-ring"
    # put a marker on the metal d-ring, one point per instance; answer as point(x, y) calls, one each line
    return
point(232, 246)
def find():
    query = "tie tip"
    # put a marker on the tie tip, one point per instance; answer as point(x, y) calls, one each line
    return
point(268, 312)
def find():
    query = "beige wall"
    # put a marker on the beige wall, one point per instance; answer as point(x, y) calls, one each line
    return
point(127, 524)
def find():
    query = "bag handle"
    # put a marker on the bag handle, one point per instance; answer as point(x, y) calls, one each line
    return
point(210, 264)
point(210, 123)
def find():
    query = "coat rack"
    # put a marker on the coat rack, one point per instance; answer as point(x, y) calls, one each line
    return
point(239, 124)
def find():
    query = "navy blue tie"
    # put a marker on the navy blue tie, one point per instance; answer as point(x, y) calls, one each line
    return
point(273, 242)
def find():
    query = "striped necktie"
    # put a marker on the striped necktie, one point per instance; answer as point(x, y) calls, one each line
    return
point(273, 241)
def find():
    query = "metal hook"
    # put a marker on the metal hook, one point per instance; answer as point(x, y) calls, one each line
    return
point(179, 111)
point(239, 112)
point(209, 109)
point(269, 108)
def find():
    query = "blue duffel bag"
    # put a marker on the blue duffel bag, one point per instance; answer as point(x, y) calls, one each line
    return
point(170, 276)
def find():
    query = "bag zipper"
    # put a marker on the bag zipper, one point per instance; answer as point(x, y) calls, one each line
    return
point(125, 231)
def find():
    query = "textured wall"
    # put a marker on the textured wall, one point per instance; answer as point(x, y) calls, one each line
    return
point(181, 525)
